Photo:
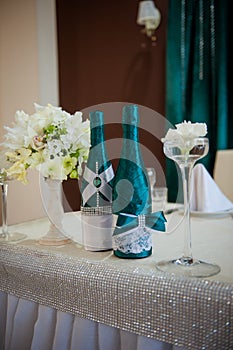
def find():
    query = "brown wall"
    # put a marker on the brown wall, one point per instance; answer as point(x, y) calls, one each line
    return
point(104, 57)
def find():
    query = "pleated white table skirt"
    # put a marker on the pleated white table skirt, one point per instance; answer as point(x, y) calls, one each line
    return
point(26, 325)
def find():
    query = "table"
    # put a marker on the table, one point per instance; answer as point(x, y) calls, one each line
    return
point(128, 299)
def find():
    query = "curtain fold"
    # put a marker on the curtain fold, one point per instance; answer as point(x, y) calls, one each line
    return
point(197, 80)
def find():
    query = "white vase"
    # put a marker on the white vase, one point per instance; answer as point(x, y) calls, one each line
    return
point(51, 192)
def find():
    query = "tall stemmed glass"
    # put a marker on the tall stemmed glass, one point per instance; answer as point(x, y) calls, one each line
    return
point(185, 155)
point(152, 179)
point(6, 235)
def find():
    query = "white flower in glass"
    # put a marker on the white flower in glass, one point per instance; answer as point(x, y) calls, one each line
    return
point(185, 145)
point(186, 131)
point(184, 135)
point(190, 130)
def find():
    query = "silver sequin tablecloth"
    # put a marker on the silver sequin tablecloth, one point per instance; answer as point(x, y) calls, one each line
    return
point(131, 295)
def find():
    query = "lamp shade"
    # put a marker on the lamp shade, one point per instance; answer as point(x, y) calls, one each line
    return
point(148, 14)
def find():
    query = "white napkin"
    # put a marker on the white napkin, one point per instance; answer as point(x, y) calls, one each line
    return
point(205, 195)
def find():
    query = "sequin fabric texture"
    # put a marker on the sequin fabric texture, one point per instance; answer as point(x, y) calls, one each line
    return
point(193, 313)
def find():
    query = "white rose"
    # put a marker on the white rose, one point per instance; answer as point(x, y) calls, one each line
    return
point(191, 130)
point(186, 131)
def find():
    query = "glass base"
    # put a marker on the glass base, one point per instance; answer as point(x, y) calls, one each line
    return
point(54, 237)
point(11, 237)
point(53, 241)
point(188, 267)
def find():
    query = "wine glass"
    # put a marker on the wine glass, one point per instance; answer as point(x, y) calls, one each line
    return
point(185, 154)
point(152, 178)
point(6, 235)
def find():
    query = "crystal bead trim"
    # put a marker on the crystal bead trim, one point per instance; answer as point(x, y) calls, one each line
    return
point(191, 313)
point(107, 210)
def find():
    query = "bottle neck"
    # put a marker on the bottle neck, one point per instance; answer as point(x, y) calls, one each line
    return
point(130, 132)
point(97, 135)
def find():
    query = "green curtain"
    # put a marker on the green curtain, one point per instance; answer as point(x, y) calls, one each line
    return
point(198, 83)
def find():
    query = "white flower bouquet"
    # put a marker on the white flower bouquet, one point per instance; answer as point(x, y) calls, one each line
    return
point(51, 140)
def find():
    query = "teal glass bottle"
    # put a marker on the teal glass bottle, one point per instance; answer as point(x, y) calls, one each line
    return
point(97, 163)
point(131, 192)
point(96, 190)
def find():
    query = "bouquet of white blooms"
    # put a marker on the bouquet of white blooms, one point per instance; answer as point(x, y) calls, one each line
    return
point(51, 140)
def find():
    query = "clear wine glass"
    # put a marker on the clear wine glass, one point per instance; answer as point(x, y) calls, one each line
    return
point(152, 178)
point(185, 154)
point(6, 235)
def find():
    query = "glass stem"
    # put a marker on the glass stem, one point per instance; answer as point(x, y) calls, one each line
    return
point(4, 187)
point(187, 252)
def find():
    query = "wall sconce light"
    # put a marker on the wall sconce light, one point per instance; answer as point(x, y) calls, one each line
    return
point(150, 17)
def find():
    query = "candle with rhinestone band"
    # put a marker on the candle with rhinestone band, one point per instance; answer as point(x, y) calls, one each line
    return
point(96, 190)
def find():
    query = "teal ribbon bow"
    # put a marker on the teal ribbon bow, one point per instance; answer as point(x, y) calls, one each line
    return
point(155, 221)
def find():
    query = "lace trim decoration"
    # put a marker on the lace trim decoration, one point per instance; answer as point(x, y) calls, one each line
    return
point(133, 241)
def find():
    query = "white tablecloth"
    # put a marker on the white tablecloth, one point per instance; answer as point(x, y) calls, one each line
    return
point(27, 324)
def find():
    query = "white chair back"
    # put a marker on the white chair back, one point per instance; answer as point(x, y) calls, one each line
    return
point(223, 172)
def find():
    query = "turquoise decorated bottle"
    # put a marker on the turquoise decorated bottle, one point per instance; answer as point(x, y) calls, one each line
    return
point(131, 193)
point(96, 190)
